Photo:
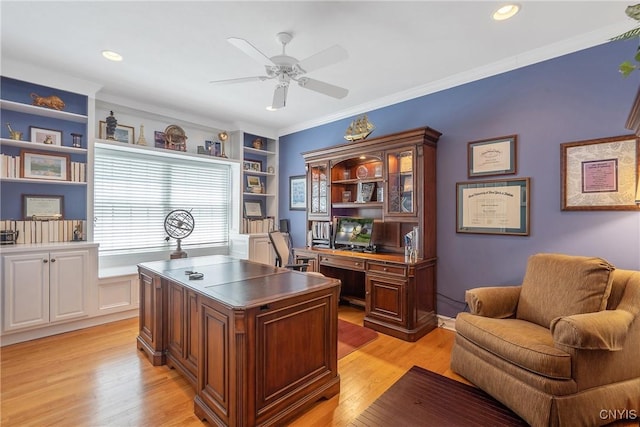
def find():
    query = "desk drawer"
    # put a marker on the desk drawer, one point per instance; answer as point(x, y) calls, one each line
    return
point(387, 269)
point(348, 263)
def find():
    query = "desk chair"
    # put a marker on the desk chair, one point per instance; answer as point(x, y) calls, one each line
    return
point(284, 256)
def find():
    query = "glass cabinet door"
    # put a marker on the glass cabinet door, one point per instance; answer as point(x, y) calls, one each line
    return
point(401, 182)
point(318, 191)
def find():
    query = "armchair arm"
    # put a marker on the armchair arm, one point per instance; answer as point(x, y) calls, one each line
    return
point(499, 302)
point(601, 330)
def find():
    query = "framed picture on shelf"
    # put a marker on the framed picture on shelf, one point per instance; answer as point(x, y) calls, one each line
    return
point(495, 156)
point(600, 174)
point(298, 193)
point(45, 136)
point(158, 139)
point(42, 207)
point(346, 196)
point(252, 165)
point(493, 207)
point(36, 165)
point(253, 182)
point(122, 133)
point(365, 191)
point(253, 209)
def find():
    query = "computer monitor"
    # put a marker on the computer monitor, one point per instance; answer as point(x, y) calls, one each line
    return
point(353, 233)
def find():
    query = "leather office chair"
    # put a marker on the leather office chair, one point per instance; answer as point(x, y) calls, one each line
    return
point(284, 256)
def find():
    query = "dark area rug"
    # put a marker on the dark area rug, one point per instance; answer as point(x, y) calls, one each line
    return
point(424, 398)
point(351, 337)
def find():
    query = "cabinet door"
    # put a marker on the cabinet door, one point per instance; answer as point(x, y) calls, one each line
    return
point(401, 183)
point(318, 191)
point(260, 250)
point(26, 290)
point(69, 278)
point(386, 299)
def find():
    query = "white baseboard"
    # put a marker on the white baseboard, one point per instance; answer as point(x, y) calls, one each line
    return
point(447, 322)
point(41, 332)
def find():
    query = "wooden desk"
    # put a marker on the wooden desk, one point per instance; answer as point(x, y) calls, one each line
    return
point(399, 297)
point(258, 343)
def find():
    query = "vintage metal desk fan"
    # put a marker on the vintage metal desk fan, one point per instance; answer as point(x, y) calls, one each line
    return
point(179, 225)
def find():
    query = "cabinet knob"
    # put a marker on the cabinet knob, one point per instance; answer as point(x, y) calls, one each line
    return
point(45, 261)
point(357, 264)
point(53, 260)
point(385, 269)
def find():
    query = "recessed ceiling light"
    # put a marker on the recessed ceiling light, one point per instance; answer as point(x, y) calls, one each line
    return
point(506, 12)
point(111, 55)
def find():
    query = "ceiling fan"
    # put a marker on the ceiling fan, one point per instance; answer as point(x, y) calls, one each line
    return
point(285, 68)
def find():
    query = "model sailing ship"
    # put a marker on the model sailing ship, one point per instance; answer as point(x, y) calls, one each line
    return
point(359, 129)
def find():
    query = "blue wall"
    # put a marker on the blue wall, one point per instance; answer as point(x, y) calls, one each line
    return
point(572, 98)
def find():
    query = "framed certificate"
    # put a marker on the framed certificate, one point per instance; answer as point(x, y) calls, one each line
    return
point(496, 156)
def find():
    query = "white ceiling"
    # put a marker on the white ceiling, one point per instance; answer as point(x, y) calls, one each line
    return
point(397, 50)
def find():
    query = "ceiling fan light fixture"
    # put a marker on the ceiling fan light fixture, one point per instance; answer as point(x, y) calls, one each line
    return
point(505, 12)
point(112, 56)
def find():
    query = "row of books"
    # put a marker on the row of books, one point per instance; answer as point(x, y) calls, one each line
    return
point(263, 225)
point(10, 168)
point(46, 231)
point(321, 230)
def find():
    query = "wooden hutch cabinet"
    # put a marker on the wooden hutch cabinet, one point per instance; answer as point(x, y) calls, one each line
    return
point(391, 179)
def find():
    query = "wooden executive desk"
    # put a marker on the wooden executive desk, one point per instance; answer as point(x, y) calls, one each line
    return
point(399, 297)
point(258, 343)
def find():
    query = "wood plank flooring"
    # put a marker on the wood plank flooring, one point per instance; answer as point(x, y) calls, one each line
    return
point(97, 377)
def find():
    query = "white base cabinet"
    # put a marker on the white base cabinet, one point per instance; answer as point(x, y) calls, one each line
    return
point(47, 284)
point(254, 247)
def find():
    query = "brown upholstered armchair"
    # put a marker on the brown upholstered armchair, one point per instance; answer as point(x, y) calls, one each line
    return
point(562, 349)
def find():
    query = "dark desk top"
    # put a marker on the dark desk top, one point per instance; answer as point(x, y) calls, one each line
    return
point(377, 256)
point(238, 283)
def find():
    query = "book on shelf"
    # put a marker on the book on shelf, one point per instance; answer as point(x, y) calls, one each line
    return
point(44, 231)
point(259, 225)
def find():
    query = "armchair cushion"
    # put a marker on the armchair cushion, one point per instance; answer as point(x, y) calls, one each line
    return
point(499, 302)
point(604, 330)
point(519, 342)
point(557, 285)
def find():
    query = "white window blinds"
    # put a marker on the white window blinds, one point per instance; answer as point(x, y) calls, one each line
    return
point(134, 190)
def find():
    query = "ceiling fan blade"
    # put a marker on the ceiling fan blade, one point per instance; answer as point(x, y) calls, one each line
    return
point(279, 97)
point(241, 80)
point(322, 87)
point(250, 50)
point(322, 59)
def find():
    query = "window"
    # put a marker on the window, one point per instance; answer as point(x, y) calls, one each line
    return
point(135, 189)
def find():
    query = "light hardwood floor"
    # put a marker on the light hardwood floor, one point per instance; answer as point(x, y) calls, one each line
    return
point(97, 377)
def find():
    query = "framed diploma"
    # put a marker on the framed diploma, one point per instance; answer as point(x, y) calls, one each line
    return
point(600, 174)
point(493, 207)
point(496, 156)
point(42, 207)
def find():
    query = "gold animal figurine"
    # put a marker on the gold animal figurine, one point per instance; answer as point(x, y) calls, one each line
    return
point(49, 102)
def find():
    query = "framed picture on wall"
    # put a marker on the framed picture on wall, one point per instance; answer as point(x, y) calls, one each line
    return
point(600, 174)
point(493, 207)
point(298, 193)
point(495, 156)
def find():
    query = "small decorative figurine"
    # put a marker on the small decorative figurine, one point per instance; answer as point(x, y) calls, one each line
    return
point(257, 144)
point(142, 140)
point(49, 102)
point(14, 134)
point(112, 122)
point(77, 140)
point(223, 136)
